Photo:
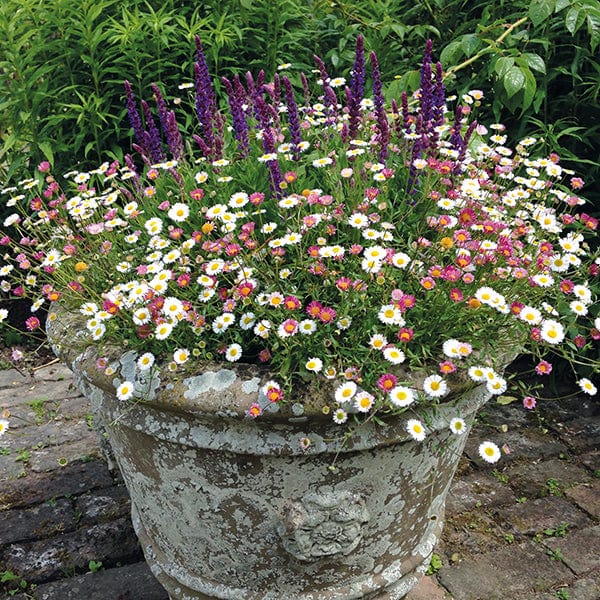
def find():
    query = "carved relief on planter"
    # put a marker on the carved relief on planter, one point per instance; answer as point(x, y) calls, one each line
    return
point(323, 524)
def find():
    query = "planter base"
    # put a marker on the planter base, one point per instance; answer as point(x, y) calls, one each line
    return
point(180, 586)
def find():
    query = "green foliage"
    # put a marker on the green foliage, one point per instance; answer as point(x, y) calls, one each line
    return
point(94, 565)
point(13, 584)
point(540, 58)
point(434, 565)
point(63, 62)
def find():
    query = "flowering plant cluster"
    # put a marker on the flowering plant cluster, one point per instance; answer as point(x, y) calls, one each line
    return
point(396, 250)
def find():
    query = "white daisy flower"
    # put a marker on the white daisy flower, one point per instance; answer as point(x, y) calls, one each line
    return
point(181, 356)
point(363, 401)
point(307, 326)
point(233, 353)
point(401, 396)
point(496, 385)
point(587, 386)
point(489, 452)
point(345, 392)
point(458, 426)
point(145, 361)
point(400, 260)
point(88, 308)
point(378, 341)
point(371, 265)
point(247, 320)
point(98, 331)
point(358, 220)
point(530, 315)
point(141, 316)
point(340, 416)
point(394, 355)
point(390, 315)
point(451, 348)
point(578, 307)
point(435, 386)
point(322, 162)
point(125, 390)
point(552, 332)
point(163, 331)
point(314, 364)
point(583, 292)
point(416, 429)
point(173, 307)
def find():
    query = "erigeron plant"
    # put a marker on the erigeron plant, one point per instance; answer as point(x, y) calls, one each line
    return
point(398, 251)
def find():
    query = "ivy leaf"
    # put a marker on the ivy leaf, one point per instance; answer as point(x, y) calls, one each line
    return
point(513, 81)
point(540, 10)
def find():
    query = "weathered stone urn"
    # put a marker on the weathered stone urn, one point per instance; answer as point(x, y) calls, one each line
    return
point(230, 507)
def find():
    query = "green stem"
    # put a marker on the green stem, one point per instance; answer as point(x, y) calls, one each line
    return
point(479, 54)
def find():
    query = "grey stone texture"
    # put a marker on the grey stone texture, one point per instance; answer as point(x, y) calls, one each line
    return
point(527, 528)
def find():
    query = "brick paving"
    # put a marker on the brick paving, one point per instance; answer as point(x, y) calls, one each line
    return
point(528, 529)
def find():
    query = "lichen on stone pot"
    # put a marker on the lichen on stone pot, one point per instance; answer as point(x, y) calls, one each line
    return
point(230, 507)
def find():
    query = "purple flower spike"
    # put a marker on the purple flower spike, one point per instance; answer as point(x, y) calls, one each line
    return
point(383, 129)
point(161, 105)
point(173, 135)
point(240, 125)
point(464, 145)
point(456, 137)
point(357, 83)
point(329, 101)
point(134, 116)
point(154, 143)
point(168, 124)
point(439, 101)
point(205, 97)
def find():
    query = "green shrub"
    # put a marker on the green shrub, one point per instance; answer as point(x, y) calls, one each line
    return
point(63, 62)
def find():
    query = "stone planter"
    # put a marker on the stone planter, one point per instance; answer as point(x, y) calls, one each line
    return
point(230, 507)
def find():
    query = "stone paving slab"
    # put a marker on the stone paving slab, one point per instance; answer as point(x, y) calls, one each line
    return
point(47, 559)
point(476, 490)
point(518, 569)
point(545, 477)
point(10, 378)
point(101, 506)
point(72, 480)
point(131, 582)
point(548, 514)
point(587, 497)
point(40, 521)
point(578, 549)
point(581, 434)
point(428, 589)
